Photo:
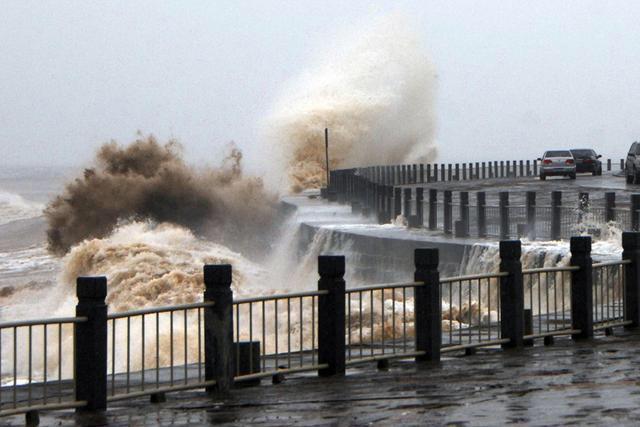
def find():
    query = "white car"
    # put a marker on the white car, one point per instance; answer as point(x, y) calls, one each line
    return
point(557, 162)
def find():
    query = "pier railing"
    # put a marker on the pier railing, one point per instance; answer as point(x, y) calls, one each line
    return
point(94, 358)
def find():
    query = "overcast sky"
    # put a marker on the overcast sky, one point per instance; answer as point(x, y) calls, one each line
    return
point(513, 77)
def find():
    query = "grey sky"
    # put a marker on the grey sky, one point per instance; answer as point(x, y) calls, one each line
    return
point(513, 77)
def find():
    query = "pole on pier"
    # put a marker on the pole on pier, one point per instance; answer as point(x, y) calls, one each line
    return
point(511, 294)
point(331, 315)
point(90, 350)
point(428, 305)
point(218, 327)
point(581, 287)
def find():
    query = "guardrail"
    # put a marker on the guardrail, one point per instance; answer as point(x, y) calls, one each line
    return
point(95, 358)
point(503, 215)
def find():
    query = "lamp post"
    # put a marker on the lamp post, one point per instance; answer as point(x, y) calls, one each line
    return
point(326, 151)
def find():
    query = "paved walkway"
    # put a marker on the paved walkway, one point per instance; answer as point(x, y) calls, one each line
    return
point(595, 382)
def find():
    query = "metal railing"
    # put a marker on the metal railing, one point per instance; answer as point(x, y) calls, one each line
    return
point(609, 280)
point(36, 365)
point(155, 350)
point(380, 322)
point(471, 311)
point(285, 329)
point(547, 294)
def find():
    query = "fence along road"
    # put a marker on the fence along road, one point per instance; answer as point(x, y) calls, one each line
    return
point(220, 341)
point(512, 206)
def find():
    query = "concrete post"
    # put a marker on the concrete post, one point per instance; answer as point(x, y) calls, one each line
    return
point(481, 202)
point(504, 215)
point(621, 164)
point(608, 164)
point(433, 209)
point(464, 212)
point(428, 174)
point(528, 167)
point(631, 252)
point(583, 204)
point(435, 172)
point(447, 211)
point(457, 176)
point(406, 210)
point(421, 176)
point(521, 168)
point(501, 168)
point(477, 171)
point(610, 205)
point(90, 350)
point(511, 294)
point(581, 287)
point(531, 215)
point(414, 174)
point(218, 327)
point(331, 315)
point(449, 172)
point(535, 168)
point(397, 202)
point(419, 206)
point(635, 207)
point(484, 170)
point(403, 179)
point(464, 171)
point(427, 305)
point(442, 172)
point(556, 214)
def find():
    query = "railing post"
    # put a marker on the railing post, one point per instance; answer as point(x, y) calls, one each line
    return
point(583, 205)
point(442, 172)
point(427, 305)
point(331, 315)
point(608, 164)
point(528, 166)
point(90, 339)
point(448, 210)
point(414, 174)
point(504, 215)
point(403, 178)
point(481, 202)
point(464, 172)
point(484, 170)
point(433, 209)
point(449, 172)
point(635, 207)
point(457, 175)
point(535, 168)
point(501, 168)
point(421, 176)
point(556, 214)
point(609, 206)
point(511, 294)
point(419, 206)
point(406, 210)
point(531, 215)
point(581, 287)
point(435, 172)
point(621, 164)
point(477, 171)
point(397, 202)
point(464, 212)
point(631, 252)
point(218, 327)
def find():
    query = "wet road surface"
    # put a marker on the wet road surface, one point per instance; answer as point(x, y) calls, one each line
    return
point(593, 382)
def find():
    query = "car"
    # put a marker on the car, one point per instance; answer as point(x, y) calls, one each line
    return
point(557, 162)
point(632, 164)
point(587, 161)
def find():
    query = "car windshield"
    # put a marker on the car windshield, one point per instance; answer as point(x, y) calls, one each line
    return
point(583, 153)
point(557, 154)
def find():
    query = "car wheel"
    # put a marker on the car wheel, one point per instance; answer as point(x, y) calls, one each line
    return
point(542, 177)
point(572, 176)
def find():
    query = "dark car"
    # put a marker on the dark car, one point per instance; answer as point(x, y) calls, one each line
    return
point(632, 164)
point(587, 161)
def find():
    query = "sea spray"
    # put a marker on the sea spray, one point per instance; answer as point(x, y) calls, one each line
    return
point(148, 180)
point(374, 91)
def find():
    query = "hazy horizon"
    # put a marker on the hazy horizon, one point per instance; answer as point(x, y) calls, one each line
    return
point(512, 79)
